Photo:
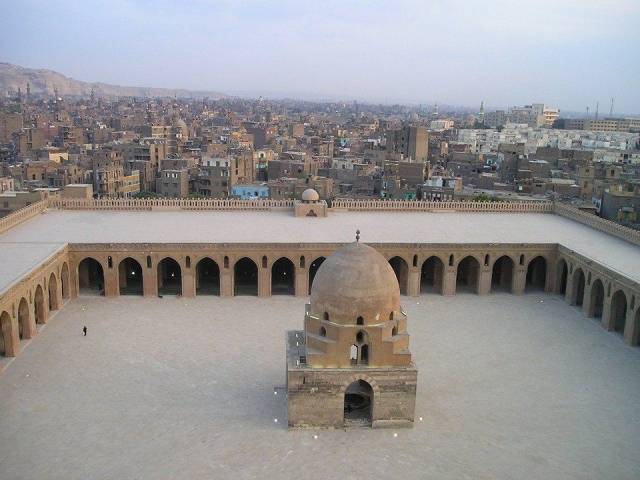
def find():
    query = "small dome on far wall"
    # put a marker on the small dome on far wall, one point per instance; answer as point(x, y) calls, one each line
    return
point(310, 195)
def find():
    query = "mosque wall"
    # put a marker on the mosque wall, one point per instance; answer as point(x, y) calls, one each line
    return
point(27, 305)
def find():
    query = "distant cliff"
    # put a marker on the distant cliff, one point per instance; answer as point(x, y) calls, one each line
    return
point(43, 81)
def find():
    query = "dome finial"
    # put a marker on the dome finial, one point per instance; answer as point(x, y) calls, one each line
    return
point(357, 236)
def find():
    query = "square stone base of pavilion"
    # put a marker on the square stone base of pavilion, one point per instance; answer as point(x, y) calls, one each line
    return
point(320, 397)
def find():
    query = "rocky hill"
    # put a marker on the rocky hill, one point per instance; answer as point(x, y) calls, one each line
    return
point(44, 81)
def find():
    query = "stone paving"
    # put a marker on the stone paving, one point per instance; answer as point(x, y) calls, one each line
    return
point(509, 388)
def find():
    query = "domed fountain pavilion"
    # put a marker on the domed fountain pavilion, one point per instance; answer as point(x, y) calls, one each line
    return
point(351, 366)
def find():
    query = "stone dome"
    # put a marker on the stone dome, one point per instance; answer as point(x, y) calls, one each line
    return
point(310, 195)
point(355, 281)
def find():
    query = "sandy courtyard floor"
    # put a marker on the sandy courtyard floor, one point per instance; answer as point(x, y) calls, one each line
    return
point(509, 388)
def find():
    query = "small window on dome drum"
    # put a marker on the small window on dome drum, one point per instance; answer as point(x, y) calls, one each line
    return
point(360, 321)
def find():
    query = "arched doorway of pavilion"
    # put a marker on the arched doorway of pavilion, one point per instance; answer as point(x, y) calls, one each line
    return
point(358, 404)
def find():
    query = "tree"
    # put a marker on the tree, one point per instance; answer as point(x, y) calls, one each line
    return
point(484, 197)
point(144, 194)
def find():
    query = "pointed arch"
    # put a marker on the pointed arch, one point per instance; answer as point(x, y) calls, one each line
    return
point(39, 306)
point(283, 275)
point(502, 274)
point(577, 293)
point(245, 277)
point(618, 311)
point(169, 277)
point(7, 348)
point(358, 403)
point(468, 275)
point(24, 319)
point(536, 275)
point(636, 337)
point(54, 302)
point(596, 299)
point(562, 272)
point(432, 275)
point(401, 269)
point(313, 269)
point(207, 277)
point(90, 277)
point(64, 280)
point(130, 277)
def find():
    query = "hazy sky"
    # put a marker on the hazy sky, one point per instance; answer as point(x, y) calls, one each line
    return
point(567, 53)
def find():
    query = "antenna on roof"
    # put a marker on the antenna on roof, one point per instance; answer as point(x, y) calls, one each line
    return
point(357, 236)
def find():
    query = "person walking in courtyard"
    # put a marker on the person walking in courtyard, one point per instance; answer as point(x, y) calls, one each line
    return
point(84, 330)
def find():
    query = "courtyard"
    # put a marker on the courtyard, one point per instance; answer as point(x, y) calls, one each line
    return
point(509, 387)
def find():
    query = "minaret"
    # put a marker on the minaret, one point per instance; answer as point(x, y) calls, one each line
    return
point(481, 113)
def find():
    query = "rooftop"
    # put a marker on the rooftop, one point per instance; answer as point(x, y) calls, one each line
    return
point(58, 227)
point(38, 237)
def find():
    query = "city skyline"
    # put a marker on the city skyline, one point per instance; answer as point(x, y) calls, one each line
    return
point(569, 54)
